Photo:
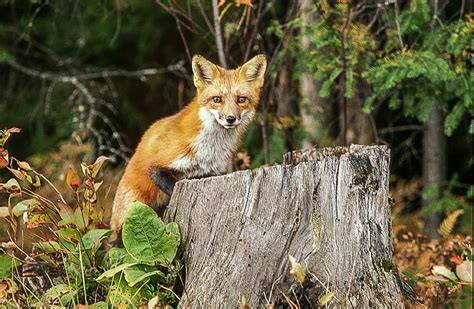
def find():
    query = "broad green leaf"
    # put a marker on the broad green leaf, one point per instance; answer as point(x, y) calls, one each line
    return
point(146, 238)
point(7, 263)
point(140, 272)
point(116, 256)
point(94, 238)
point(112, 272)
point(81, 218)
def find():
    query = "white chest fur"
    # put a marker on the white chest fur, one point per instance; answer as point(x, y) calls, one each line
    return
point(213, 147)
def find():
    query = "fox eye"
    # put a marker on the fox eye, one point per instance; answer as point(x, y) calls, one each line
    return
point(241, 99)
point(217, 99)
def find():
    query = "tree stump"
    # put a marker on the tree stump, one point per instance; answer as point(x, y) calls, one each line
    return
point(326, 207)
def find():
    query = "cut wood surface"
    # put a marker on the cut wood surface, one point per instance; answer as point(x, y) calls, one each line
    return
point(327, 207)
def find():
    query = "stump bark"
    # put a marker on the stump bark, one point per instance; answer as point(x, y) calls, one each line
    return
point(327, 207)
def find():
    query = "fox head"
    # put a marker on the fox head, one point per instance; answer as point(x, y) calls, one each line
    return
point(231, 96)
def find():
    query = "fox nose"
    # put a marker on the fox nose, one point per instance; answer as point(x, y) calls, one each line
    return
point(230, 119)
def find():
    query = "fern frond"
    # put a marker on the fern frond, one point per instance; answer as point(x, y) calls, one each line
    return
point(446, 227)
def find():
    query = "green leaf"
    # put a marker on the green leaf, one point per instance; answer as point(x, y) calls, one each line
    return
point(326, 298)
point(138, 273)
point(146, 238)
point(7, 263)
point(60, 293)
point(24, 206)
point(100, 305)
point(121, 295)
point(112, 272)
point(116, 256)
point(94, 238)
point(68, 238)
point(81, 218)
point(66, 213)
point(48, 246)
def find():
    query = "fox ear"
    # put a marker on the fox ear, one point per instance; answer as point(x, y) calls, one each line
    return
point(204, 71)
point(254, 70)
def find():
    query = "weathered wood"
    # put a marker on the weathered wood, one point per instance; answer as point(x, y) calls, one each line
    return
point(328, 208)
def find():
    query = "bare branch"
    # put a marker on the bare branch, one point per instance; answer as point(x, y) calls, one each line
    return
point(178, 26)
point(397, 22)
point(204, 16)
point(218, 35)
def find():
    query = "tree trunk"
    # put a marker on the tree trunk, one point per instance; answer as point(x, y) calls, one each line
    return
point(434, 167)
point(312, 106)
point(326, 207)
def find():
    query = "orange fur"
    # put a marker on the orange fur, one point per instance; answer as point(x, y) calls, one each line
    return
point(184, 135)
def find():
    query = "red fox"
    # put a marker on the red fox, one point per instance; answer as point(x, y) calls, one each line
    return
point(197, 141)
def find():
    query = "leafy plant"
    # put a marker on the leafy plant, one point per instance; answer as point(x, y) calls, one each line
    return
point(413, 79)
point(455, 201)
point(125, 277)
point(146, 265)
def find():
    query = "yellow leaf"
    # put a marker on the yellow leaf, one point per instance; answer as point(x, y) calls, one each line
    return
point(72, 179)
point(464, 271)
point(97, 165)
point(37, 220)
point(446, 227)
point(18, 174)
point(297, 269)
point(326, 298)
point(24, 165)
point(244, 2)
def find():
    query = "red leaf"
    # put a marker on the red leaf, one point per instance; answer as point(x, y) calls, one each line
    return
point(3, 162)
point(3, 157)
point(456, 259)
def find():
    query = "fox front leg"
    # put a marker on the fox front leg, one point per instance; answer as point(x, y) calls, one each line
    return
point(163, 179)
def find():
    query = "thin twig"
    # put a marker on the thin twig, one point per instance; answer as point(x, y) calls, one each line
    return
point(218, 35)
point(397, 22)
point(255, 30)
point(181, 34)
point(204, 16)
